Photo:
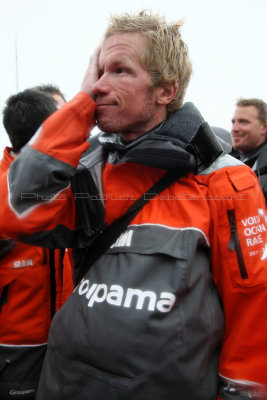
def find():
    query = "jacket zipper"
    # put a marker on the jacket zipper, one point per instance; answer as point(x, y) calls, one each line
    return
point(62, 255)
point(53, 288)
point(234, 244)
point(4, 296)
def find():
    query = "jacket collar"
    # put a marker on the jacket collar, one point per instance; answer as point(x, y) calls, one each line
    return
point(184, 138)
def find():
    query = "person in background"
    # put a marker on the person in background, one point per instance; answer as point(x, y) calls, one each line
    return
point(175, 308)
point(249, 133)
point(54, 91)
point(34, 281)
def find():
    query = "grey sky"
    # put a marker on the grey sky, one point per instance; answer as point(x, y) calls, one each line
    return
point(55, 38)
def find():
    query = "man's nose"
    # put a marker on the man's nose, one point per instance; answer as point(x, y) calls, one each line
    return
point(101, 86)
point(235, 126)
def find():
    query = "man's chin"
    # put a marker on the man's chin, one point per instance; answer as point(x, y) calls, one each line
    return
point(237, 144)
point(239, 148)
point(108, 126)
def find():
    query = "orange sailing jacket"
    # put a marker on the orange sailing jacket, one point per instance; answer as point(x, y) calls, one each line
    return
point(214, 218)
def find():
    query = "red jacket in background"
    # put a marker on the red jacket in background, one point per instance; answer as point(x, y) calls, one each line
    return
point(34, 284)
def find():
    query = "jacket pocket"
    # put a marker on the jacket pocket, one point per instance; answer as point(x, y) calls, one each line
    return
point(64, 378)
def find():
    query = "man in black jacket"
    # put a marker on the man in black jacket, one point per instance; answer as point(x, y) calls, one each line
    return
point(249, 136)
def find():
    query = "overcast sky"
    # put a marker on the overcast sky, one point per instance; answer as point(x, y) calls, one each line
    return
point(55, 38)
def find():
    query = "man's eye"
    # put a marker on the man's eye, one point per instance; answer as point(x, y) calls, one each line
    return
point(120, 70)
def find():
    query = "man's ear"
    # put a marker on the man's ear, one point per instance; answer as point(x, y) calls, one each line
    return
point(167, 92)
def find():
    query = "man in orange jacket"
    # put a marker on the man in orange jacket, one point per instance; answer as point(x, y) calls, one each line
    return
point(34, 281)
point(175, 308)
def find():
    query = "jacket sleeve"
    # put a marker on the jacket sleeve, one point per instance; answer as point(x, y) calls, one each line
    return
point(239, 262)
point(37, 205)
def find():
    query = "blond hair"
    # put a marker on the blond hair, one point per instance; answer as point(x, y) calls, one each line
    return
point(165, 57)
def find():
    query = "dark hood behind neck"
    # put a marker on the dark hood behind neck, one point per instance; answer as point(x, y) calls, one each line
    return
point(252, 154)
point(184, 140)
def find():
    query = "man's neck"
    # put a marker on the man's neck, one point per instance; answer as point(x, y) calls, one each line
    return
point(254, 150)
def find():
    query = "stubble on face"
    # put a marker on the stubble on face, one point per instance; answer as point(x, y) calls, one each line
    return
point(130, 131)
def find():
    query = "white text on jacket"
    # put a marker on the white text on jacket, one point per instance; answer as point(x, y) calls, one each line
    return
point(116, 295)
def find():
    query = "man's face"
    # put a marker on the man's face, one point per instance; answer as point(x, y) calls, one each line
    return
point(247, 130)
point(125, 97)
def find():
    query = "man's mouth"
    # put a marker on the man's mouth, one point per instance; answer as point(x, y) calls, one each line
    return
point(102, 102)
point(237, 137)
point(104, 106)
